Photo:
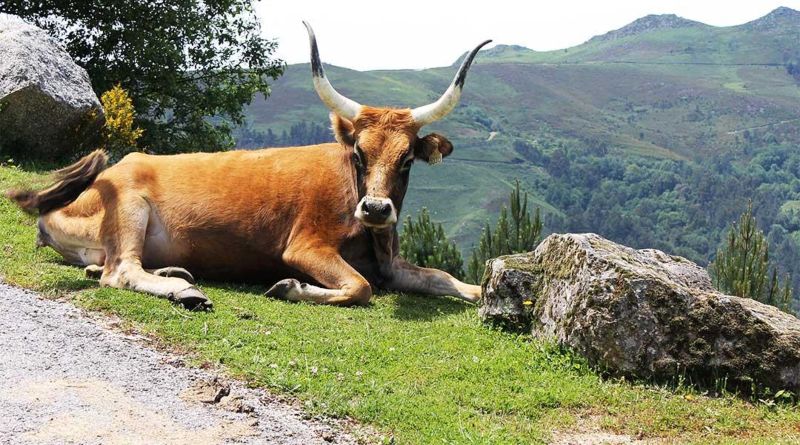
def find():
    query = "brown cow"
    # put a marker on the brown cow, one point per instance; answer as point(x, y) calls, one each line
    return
point(318, 221)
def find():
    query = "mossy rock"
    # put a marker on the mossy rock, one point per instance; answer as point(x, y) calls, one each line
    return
point(641, 313)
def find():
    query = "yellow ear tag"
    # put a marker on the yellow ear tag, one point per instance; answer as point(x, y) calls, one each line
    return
point(435, 157)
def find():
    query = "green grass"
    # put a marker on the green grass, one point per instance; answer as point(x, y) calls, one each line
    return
point(423, 370)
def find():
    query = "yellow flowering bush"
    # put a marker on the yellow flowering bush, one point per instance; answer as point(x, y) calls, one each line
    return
point(119, 134)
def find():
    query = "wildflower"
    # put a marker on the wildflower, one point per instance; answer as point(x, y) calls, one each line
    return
point(119, 132)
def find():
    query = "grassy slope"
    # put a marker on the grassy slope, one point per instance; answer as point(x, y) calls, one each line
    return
point(424, 370)
point(685, 93)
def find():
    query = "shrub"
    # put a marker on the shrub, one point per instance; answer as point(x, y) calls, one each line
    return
point(742, 266)
point(425, 244)
point(519, 233)
point(119, 134)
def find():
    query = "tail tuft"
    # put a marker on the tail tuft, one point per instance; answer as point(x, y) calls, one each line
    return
point(70, 182)
point(26, 199)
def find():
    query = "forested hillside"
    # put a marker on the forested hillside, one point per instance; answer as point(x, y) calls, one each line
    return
point(654, 135)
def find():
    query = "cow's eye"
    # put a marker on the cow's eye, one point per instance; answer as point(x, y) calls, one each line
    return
point(358, 157)
point(407, 165)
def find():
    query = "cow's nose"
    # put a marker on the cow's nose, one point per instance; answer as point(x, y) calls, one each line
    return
point(384, 209)
point(377, 208)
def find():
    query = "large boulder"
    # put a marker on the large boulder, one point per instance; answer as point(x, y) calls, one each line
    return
point(47, 105)
point(641, 313)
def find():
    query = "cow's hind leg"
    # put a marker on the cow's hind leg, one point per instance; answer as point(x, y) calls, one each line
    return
point(343, 285)
point(177, 272)
point(123, 236)
point(96, 271)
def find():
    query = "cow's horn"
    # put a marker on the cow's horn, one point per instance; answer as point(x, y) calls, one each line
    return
point(433, 112)
point(337, 103)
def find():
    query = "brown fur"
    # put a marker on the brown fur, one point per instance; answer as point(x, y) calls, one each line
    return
point(69, 183)
point(264, 215)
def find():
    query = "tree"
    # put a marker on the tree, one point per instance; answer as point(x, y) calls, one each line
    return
point(517, 234)
point(183, 61)
point(425, 244)
point(742, 266)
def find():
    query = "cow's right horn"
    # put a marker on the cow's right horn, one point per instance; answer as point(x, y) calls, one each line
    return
point(337, 103)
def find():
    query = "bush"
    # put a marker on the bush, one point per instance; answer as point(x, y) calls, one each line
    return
point(425, 244)
point(519, 234)
point(742, 266)
point(119, 134)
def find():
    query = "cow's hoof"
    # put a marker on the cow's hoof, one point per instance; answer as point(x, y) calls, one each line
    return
point(192, 299)
point(93, 271)
point(175, 272)
point(285, 289)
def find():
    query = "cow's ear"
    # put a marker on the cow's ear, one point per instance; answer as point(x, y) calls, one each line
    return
point(343, 130)
point(432, 148)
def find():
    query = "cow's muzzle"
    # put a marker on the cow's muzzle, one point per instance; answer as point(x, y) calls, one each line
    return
point(376, 212)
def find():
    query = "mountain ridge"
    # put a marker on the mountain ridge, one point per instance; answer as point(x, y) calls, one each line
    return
point(648, 23)
point(779, 17)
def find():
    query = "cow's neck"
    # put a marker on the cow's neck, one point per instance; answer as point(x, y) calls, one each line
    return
point(384, 244)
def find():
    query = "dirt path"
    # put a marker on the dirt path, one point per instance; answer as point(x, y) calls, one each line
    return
point(65, 379)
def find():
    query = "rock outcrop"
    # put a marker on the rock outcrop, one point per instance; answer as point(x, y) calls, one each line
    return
point(641, 313)
point(47, 105)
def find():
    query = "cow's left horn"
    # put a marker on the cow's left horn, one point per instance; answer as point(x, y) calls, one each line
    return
point(337, 103)
point(433, 112)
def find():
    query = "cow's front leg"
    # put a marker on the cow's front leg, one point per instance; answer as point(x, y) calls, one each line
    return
point(407, 277)
point(342, 284)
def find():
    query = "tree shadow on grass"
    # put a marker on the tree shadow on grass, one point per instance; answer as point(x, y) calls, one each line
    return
point(426, 308)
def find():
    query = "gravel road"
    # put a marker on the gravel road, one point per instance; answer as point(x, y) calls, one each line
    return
point(66, 378)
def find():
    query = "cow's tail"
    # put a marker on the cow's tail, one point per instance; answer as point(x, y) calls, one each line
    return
point(69, 183)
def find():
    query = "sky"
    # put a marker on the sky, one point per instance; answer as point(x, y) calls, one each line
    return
point(418, 34)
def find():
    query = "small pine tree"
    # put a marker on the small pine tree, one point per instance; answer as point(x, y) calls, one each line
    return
point(515, 233)
point(742, 266)
point(425, 244)
point(118, 132)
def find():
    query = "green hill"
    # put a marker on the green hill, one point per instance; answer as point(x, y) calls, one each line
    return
point(655, 134)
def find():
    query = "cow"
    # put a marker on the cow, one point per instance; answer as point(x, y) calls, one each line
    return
point(318, 221)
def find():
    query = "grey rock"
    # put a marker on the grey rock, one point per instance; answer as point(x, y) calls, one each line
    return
point(641, 313)
point(47, 105)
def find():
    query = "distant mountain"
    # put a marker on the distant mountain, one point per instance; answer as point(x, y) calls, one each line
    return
point(778, 20)
point(647, 24)
point(661, 89)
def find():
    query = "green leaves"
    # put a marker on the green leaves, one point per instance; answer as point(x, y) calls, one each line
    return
point(425, 244)
point(742, 266)
point(183, 62)
point(519, 234)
